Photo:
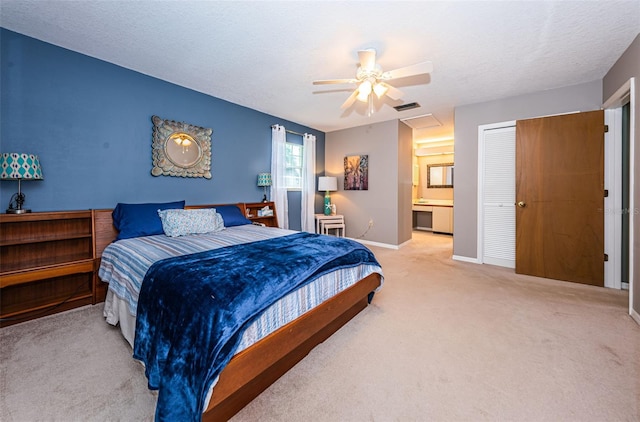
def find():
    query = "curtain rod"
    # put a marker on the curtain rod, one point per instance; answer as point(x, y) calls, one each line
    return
point(290, 131)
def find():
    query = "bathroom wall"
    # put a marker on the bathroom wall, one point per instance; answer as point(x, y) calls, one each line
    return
point(426, 154)
point(432, 193)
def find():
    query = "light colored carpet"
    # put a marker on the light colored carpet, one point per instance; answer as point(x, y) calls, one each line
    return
point(442, 341)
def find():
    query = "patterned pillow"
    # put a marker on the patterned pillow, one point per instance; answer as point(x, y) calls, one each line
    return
point(177, 222)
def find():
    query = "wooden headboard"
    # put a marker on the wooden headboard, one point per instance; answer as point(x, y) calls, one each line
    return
point(105, 233)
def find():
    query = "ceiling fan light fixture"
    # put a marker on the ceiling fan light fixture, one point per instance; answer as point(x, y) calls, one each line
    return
point(364, 90)
point(370, 78)
point(380, 89)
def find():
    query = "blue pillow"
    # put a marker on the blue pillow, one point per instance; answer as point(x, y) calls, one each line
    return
point(232, 216)
point(135, 220)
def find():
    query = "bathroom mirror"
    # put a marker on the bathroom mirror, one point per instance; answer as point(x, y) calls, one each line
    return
point(440, 175)
point(180, 149)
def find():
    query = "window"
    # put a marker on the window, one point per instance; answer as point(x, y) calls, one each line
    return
point(293, 166)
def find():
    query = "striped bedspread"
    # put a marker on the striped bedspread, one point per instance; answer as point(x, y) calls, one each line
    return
point(125, 263)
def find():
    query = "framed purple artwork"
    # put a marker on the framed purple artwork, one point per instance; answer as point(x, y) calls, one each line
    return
point(356, 172)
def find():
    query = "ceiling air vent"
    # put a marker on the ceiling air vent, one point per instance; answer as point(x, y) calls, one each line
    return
point(409, 106)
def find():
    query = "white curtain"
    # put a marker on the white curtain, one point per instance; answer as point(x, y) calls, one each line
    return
point(308, 183)
point(278, 187)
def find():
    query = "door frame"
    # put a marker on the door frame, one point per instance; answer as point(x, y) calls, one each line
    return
point(613, 117)
point(612, 211)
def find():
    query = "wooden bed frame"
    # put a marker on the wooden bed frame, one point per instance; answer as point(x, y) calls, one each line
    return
point(253, 370)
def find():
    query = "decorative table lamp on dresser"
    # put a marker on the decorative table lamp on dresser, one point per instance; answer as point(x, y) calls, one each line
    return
point(327, 184)
point(264, 180)
point(14, 166)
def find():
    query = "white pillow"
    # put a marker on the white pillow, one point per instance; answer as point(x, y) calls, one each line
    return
point(177, 222)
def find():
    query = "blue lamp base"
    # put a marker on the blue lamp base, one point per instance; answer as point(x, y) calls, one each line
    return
point(327, 203)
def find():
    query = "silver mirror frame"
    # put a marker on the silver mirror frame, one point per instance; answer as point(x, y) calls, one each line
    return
point(164, 165)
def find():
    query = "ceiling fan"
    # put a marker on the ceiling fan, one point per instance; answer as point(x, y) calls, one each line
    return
point(372, 80)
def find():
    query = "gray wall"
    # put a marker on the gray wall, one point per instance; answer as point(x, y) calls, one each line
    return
point(405, 185)
point(628, 66)
point(583, 97)
point(382, 142)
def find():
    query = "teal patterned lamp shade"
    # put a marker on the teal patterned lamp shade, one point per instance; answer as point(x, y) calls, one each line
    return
point(14, 166)
point(264, 179)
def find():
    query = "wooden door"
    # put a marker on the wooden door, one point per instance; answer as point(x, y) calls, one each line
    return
point(560, 197)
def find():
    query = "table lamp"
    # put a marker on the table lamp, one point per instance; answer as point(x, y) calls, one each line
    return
point(264, 180)
point(327, 184)
point(14, 166)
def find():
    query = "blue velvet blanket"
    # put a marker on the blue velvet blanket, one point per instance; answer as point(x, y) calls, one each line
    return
point(192, 309)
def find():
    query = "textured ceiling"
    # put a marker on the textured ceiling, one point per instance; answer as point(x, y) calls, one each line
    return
point(265, 55)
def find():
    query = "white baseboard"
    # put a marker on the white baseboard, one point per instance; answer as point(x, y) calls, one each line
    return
point(635, 316)
point(381, 245)
point(508, 263)
point(466, 259)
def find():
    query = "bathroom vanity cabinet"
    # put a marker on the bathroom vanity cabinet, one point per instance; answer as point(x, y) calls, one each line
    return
point(433, 215)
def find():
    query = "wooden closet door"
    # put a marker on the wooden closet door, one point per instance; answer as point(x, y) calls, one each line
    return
point(560, 197)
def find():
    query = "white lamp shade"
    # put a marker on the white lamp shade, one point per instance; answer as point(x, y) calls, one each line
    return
point(327, 183)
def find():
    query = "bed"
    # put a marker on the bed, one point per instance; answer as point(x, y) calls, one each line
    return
point(262, 355)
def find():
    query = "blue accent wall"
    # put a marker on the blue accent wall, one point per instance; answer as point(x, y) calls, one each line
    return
point(89, 122)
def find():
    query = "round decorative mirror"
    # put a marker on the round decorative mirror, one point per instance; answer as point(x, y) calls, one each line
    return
point(180, 149)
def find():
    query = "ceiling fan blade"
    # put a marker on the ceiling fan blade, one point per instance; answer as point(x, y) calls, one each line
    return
point(392, 92)
point(367, 58)
point(350, 100)
point(335, 81)
point(414, 69)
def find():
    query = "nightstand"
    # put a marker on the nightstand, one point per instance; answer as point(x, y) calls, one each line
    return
point(322, 219)
point(253, 213)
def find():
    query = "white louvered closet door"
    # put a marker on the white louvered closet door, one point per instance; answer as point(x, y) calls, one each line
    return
point(498, 197)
